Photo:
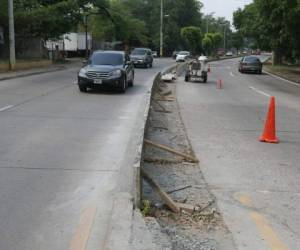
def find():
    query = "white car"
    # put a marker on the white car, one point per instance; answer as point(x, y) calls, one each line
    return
point(229, 53)
point(182, 56)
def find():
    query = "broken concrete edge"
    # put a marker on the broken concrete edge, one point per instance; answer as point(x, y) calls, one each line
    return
point(127, 202)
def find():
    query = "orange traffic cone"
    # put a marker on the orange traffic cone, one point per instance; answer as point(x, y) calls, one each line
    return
point(208, 70)
point(269, 134)
point(219, 84)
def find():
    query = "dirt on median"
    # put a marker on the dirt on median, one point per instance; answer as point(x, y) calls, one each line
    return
point(182, 180)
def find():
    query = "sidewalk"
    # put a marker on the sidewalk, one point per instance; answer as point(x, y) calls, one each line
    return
point(41, 70)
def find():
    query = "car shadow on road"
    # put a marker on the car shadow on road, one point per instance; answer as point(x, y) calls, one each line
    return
point(135, 90)
point(252, 73)
point(200, 82)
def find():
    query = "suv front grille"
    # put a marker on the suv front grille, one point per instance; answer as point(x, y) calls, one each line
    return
point(97, 75)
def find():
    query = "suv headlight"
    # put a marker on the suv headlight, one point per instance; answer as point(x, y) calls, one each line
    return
point(82, 72)
point(116, 73)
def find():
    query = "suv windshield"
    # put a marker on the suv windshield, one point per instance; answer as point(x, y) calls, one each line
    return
point(139, 52)
point(107, 59)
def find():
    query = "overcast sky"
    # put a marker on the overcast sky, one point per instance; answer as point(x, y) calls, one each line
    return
point(223, 8)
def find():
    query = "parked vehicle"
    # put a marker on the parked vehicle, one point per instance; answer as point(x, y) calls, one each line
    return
point(182, 56)
point(220, 52)
point(142, 57)
point(250, 64)
point(73, 44)
point(197, 70)
point(154, 53)
point(229, 53)
point(174, 54)
point(107, 68)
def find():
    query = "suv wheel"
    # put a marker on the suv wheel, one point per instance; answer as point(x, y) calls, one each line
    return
point(130, 83)
point(124, 85)
point(82, 88)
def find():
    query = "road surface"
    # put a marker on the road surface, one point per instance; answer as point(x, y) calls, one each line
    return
point(256, 184)
point(61, 153)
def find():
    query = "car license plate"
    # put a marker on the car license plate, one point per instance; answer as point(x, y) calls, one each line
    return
point(196, 79)
point(97, 81)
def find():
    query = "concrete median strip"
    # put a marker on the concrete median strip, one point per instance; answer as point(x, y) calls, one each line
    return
point(165, 197)
point(119, 234)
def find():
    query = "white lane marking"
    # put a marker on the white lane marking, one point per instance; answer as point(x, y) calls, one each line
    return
point(231, 74)
point(6, 108)
point(282, 79)
point(259, 91)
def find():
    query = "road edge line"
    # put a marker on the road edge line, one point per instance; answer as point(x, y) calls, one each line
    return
point(281, 78)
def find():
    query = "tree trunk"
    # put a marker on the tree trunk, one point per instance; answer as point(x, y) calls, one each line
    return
point(277, 57)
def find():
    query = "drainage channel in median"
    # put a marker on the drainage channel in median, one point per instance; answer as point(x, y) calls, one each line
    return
point(168, 160)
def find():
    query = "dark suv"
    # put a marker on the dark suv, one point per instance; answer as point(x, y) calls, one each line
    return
point(142, 57)
point(105, 68)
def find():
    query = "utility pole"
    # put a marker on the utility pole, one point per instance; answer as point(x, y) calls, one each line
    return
point(206, 24)
point(86, 37)
point(12, 50)
point(225, 37)
point(161, 27)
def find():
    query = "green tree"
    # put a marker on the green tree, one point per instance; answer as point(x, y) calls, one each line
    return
point(207, 45)
point(216, 40)
point(272, 24)
point(281, 19)
point(193, 37)
point(237, 40)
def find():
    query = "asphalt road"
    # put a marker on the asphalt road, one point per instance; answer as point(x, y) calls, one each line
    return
point(61, 153)
point(256, 184)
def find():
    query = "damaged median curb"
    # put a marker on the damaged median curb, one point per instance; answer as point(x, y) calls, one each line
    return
point(127, 199)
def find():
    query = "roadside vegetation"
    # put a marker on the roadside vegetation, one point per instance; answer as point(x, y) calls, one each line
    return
point(273, 26)
point(131, 23)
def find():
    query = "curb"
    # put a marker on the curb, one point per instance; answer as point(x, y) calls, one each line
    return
point(281, 78)
point(32, 73)
point(119, 233)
